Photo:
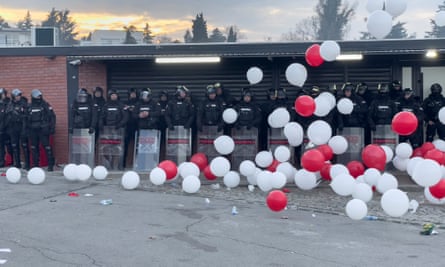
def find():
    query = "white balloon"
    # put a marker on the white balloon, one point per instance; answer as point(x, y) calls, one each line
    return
point(296, 74)
point(247, 168)
point(329, 50)
point(362, 191)
point(189, 168)
point(338, 169)
point(13, 175)
point(254, 75)
point(219, 166)
point(288, 170)
point(388, 152)
point(70, 172)
point(322, 106)
point(373, 5)
point(130, 180)
point(263, 159)
point(360, 179)
point(395, 7)
point(83, 172)
point(231, 179)
point(427, 173)
point(442, 115)
point(100, 173)
point(157, 176)
point(379, 24)
point(400, 164)
point(282, 153)
point(230, 115)
point(305, 180)
point(343, 184)
point(412, 163)
point(395, 203)
point(191, 184)
point(294, 133)
point(329, 97)
point(439, 19)
point(264, 181)
point(386, 182)
point(278, 180)
point(339, 144)
point(252, 179)
point(432, 198)
point(356, 209)
point(439, 144)
point(279, 118)
point(224, 145)
point(36, 175)
point(345, 106)
point(404, 150)
point(319, 132)
point(372, 176)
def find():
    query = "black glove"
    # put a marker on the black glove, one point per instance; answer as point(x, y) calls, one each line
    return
point(91, 131)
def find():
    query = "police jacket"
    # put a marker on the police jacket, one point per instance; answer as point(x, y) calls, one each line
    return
point(209, 112)
point(358, 117)
point(113, 114)
point(431, 106)
point(180, 112)
point(41, 116)
point(381, 111)
point(412, 104)
point(249, 114)
point(3, 107)
point(83, 115)
point(147, 114)
point(16, 116)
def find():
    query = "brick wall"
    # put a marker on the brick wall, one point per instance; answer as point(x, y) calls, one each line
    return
point(92, 74)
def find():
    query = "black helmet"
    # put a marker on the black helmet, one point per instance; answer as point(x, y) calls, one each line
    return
point(272, 92)
point(36, 94)
point(383, 88)
point(16, 92)
point(246, 92)
point(408, 91)
point(436, 88)
point(315, 91)
point(347, 87)
point(82, 95)
point(396, 84)
point(3, 91)
point(281, 93)
point(218, 85)
point(98, 89)
point(163, 93)
point(181, 88)
point(145, 94)
point(131, 91)
point(361, 88)
point(210, 90)
point(112, 92)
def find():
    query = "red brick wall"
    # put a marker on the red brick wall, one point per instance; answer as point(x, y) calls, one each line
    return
point(48, 75)
point(92, 74)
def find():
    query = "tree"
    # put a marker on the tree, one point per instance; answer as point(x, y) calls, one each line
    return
point(26, 22)
point(129, 39)
point(334, 19)
point(232, 35)
point(61, 20)
point(305, 30)
point(147, 34)
point(436, 31)
point(199, 29)
point(217, 36)
point(188, 38)
point(3, 23)
point(398, 31)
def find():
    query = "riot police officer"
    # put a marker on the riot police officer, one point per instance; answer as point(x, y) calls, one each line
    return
point(224, 95)
point(209, 111)
point(163, 101)
point(147, 111)
point(431, 106)
point(41, 123)
point(132, 123)
point(396, 92)
point(83, 114)
point(358, 116)
point(409, 102)
point(180, 111)
point(382, 109)
point(4, 138)
point(98, 103)
point(364, 92)
point(249, 114)
point(113, 113)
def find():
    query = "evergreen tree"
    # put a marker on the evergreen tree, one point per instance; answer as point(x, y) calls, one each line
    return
point(232, 36)
point(26, 22)
point(217, 36)
point(129, 39)
point(436, 31)
point(61, 19)
point(334, 19)
point(199, 29)
point(188, 38)
point(3, 23)
point(148, 35)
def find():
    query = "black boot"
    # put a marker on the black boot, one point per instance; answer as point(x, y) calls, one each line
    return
point(49, 155)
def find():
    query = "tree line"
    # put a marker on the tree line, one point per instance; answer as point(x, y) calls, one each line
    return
point(331, 21)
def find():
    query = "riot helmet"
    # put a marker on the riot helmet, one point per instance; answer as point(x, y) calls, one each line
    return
point(98, 92)
point(163, 95)
point(272, 93)
point(281, 93)
point(219, 88)
point(112, 94)
point(36, 94)
point(145, 94)
point(396, 85)
point(347, 89)
point(315, 91)
point(361, 88)
point(132, 93)
point(246, 94)
point(383, 89)
point(82, 95)
point(3, 93)
point(16, 92)
point(408, 92)
point(436, 89)
point(181, 91)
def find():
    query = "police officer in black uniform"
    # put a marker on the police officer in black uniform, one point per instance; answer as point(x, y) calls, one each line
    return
point(4, 137)
point(209, 111)
point(224, 95)
point(180, 111)
point(410, 102)
point(147, 112)
point(382, 109)
point(41, 124)
point(431, 106)
point(113, 112)
point(83, 113)
point(249, 113)
point(98, 103)
point(396, 92)
point(358, 117)
point(132, 123)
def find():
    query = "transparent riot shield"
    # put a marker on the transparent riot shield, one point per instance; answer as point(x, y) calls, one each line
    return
point(205, 141)
point(276, 138)
point(246, 145)
point(81, 145)
point(384, 136)
point(111, 148)
point(178, 144)
point(356, 140)
point(146, 149)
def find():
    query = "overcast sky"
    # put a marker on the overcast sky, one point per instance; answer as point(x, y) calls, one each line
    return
point(258, 20)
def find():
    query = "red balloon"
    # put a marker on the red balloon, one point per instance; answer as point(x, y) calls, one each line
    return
point(325, 171)
point(436, 155)
point(355, 168)
point(404, 123)
point(273, 167)
point(170, 168)
point(327, 152)
point(438, 190)
point(276, 200)
point(374, 156)
point(417, 153)
point(200, 159)
point(305, 105)
point(312, 160)
point(208, 173)
point(313, 57)
point(426, 147)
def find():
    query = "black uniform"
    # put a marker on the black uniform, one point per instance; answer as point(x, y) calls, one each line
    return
point(431, 106)
point(249, 113)
point(411, 103)
point(396, 92)
point(382, 109)
point(180, 111)
point(147, 112)
point(209, 111)
point(224, 96)
point(358, 117)
point(98, 103)
point(163, 101)
point(41, 124)
point(83, 113)
point(113, 113)
point(5, 141)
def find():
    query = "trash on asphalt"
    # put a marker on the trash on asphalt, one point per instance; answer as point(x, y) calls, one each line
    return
point(214, 186)
point(234, 211)
point(73, 194)
point(428, 229)
point(284, 217)
point(251, 187)
point(207, 201)
point(371, 218)
point(52, 200)
point(313, 215)
point(413, 205)
point(88, 195)
point(106, 202)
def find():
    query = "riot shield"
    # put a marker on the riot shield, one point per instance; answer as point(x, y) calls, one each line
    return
point(146, 149)
point(356, 140)
point(178, 144)
point(384, 136)
point(246, 145)
point(205, 141)
point(276, 138)
point(81, 147)
point(111, 148)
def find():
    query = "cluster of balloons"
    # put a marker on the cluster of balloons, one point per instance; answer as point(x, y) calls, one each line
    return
point(379, 22)
point(317, 54)
point(83, 172)
point(35, 175)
